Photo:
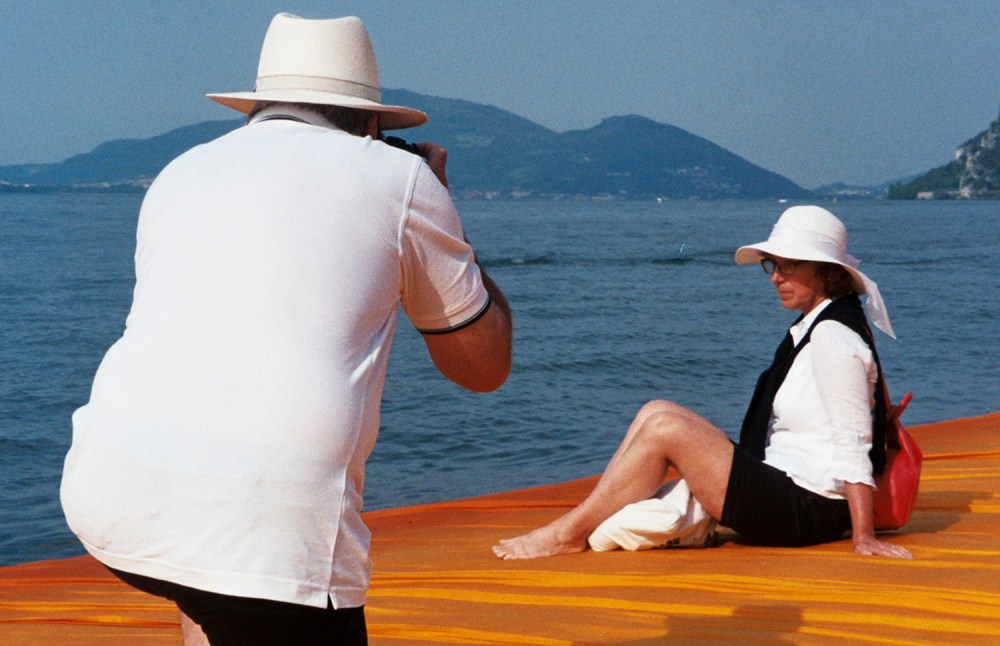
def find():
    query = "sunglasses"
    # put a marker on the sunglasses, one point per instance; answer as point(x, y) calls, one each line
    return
point(783, 267)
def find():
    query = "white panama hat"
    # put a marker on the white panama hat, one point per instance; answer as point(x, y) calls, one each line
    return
point(326, 62)
point(813, 233)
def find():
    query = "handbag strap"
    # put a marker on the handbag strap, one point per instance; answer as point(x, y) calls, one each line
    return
point(892, 423)
point(891, 426)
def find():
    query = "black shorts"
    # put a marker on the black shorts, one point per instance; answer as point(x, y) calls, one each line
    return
point(765, 507)
point(243, 621)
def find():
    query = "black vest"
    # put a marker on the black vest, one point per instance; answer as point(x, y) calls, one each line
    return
point(847, 311)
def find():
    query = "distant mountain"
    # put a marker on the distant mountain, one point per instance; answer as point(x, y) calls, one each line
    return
point(119, 163)
point(974, 173)
point(492, 153)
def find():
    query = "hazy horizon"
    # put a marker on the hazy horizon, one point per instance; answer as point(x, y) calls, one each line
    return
point(819, 93)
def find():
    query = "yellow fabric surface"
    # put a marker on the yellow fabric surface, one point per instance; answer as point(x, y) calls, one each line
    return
point(436, 581)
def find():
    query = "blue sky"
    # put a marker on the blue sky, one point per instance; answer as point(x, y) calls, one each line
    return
point(861, 92)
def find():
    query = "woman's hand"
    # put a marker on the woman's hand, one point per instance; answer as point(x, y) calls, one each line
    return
point(859, 499)
point(868, 545)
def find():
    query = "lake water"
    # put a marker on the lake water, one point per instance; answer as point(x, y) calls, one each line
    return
point(616, 303)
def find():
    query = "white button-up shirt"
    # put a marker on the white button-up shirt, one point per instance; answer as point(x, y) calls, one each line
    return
point(821, 419)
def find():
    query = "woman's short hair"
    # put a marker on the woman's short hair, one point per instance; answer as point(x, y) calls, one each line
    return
point(837, 281)
point(352, 120)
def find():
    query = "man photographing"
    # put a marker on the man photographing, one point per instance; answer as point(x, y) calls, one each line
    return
point(220, 460)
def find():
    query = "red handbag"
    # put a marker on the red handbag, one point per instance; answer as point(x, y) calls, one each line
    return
point(897, 485)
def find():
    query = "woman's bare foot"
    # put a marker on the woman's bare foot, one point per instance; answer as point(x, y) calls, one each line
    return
point(544, 541)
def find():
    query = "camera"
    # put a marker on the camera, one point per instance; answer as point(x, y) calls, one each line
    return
point(402, 144)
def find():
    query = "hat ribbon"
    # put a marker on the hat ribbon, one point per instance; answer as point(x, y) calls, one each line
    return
point(875, 308)
point(319, 84)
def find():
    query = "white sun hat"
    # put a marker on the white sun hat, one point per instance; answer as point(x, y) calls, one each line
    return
point(813, 233)
point(326, 62)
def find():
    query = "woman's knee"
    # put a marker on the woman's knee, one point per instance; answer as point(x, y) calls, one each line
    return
point(674, 429)
point(657, 407)
point(662, 426)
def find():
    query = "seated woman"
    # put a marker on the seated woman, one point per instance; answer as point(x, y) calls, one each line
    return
point(803, 471)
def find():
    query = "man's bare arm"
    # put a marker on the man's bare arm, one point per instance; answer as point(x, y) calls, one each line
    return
point(478, 356)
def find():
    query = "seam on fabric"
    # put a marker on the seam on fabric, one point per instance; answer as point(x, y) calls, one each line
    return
point(404, 222)
point(464, 324)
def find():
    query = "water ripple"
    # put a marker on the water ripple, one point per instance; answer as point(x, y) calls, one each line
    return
point(615, 304)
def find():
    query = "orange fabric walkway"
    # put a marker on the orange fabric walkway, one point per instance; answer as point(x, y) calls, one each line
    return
point(436, 581)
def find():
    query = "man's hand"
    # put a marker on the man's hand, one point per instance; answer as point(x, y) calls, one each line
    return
point(437, 158)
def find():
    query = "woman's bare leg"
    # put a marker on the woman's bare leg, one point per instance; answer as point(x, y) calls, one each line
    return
point(661, 435)
point(654, 407)
point(191, 632)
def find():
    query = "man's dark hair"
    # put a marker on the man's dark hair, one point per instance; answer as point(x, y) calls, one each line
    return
point(352, 120)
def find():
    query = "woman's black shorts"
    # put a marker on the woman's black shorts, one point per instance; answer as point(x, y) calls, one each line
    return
point(765, 507)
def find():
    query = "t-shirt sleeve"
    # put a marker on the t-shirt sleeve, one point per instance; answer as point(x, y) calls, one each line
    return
point(442, 288)
point(845, 379)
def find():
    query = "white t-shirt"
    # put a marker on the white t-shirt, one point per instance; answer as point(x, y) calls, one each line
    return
point(224, 443)
point(821, 418)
